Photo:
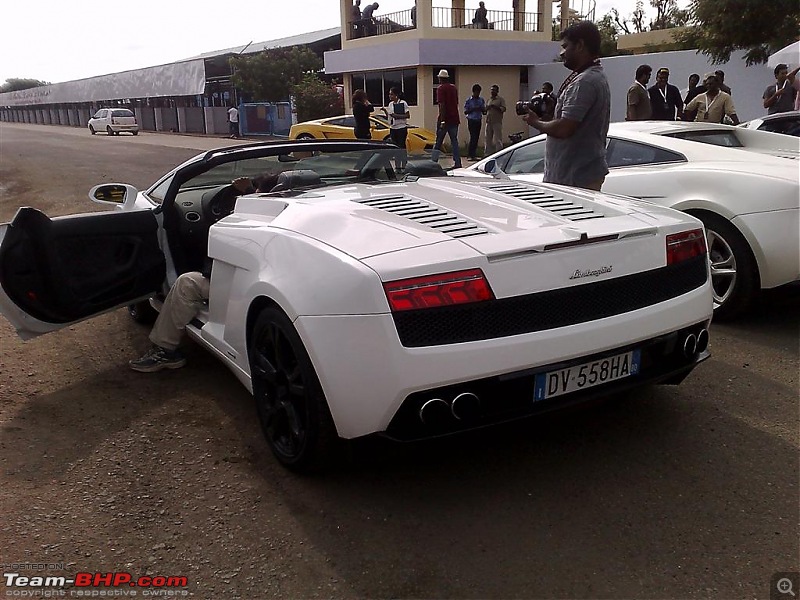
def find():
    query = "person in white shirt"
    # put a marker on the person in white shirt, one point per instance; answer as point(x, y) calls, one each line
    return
point(398, 123)
point(233, 122)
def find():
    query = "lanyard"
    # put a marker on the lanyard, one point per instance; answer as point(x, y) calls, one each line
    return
point(574, 74)
point(663, 93)
point(708, 104)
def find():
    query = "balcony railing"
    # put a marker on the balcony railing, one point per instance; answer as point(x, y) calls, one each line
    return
point(447, 18)
point(499, 20)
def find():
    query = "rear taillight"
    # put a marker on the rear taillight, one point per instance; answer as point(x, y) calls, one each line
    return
point(685, 245)
point(431, 291)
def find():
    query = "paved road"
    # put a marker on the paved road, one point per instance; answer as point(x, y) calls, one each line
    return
point(673, 492)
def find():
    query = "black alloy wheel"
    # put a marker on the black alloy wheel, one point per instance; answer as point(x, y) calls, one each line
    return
point(109, 131)
point(91, 130)
point(289, 398)
point(305, 136)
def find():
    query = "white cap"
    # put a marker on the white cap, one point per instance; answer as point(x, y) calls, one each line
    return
point(444, 73)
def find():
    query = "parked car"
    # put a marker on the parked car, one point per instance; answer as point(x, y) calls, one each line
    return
point(351, 302)
point(748, 201)
point(787, 123)
point(341, 128)
point(114, 121)
point(718, 134)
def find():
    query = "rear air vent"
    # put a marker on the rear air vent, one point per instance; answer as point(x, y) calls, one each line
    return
point(426, 214)
point(546, 200)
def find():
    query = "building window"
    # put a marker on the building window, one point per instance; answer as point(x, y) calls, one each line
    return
point(378, 83)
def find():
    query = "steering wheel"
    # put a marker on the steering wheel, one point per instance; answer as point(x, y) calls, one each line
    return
point(218, 202)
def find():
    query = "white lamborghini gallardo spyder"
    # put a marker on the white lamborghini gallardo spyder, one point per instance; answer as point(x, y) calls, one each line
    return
point(356, 298)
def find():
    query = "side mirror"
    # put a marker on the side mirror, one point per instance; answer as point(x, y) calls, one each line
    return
point(490, 166)
point(112, 193)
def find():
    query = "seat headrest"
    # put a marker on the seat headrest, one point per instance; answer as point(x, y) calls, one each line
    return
point(295, 179)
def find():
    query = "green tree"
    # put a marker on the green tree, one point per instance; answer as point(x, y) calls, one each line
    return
point(15, 84)
point(608, 36)
point(668, 15)
point(720, 27)
point(270, 75)
point(316, 99)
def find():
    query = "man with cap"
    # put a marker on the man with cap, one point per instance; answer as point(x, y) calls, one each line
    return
point(712, 105)
point(495, 107)
point(575, 151)
point(665, 98)
point(448, 121)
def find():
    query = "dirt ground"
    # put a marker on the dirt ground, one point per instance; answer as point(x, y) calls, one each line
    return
point(678, 492)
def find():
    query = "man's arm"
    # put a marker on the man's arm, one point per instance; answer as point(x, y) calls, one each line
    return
point(792, 74)
point(630, 113)
point(678, 101)
point(559, 128)
point(730, 110)
point(769, 100)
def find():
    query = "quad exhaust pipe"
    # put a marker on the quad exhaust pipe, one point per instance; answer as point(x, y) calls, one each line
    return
point(437, 411)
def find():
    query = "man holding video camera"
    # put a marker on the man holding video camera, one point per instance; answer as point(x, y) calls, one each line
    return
point(576, 138)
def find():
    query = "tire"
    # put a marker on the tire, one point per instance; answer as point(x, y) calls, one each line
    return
point(734, 273)
point(91, 130)
point(142, 313)
point(306, 136)
point(135, 132)
point(109, 131)
point(291, 405)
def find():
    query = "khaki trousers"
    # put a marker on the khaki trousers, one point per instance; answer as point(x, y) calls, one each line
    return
point(183, 302)
point(494, 138)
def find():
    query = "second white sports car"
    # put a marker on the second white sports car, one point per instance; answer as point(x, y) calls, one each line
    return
point(351, 301)
point(748, 196)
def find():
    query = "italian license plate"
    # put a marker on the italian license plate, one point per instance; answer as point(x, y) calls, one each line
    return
point(579, 377)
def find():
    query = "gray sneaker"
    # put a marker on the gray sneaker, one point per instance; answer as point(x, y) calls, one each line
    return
point(158, 358)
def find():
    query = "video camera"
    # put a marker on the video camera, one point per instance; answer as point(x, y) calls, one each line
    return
point(535, 105)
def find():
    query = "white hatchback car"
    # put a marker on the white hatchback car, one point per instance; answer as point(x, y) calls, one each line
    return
point(113, 121)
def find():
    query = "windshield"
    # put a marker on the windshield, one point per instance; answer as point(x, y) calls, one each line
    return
point(303, 169)
point(121, 112)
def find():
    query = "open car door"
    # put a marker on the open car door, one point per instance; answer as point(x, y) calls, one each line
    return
point(54, 272)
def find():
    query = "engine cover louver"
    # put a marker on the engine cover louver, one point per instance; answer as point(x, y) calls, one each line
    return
point(546, 200)
point(426, 214)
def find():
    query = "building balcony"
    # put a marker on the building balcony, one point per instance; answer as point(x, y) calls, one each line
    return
point(443, 18)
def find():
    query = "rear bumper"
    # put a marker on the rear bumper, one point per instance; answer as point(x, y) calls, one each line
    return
point(510, 396)
point(368, 376)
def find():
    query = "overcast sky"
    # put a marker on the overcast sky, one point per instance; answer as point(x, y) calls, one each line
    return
point(61, 41)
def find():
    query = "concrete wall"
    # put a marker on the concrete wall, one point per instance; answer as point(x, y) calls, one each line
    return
point(166, 119)
point(747, 83)
point(191, 120)
point(145, 117)
point(216, 120)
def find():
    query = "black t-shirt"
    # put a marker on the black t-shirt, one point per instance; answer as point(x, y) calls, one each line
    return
point(664, 105)
point(361, 115)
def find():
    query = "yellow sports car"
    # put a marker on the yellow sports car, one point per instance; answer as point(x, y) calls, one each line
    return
point(341, 128)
